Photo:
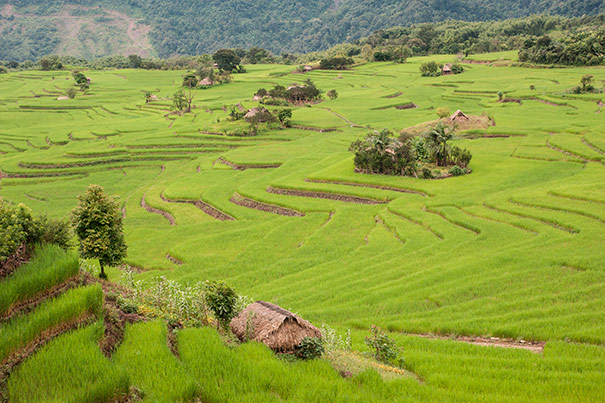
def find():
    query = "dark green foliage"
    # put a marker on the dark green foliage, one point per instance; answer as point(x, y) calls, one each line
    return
point(457, 68)
point(380, 153)
point(381, 56)
point(307, 92)
point(332, 94)
point(461, 156)
point(222, 300)
point(285, 116)
point(277, 26)
point(181, 101)
point(310, 348)
point(226, 59)
point(335, 63)
point(437, 141)
point(81, 80)
point(190, 80)
point(134, 61)
point(97, 222)
point(383, 347)
point(19, 226)
point(430, 69)
point(580, 49)
point(456, 171)
point(261, 92)
point(50, 63)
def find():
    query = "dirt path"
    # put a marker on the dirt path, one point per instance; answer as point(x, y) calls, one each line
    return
point(367, 185)
point(163, 213)
point(533, 346)
point(174, 260)
point(324, 195)
point(205, 207)
point(269, 208)
point(243, 167)
point(349, 122)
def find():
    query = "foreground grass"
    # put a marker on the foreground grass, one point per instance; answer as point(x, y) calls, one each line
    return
point(151, 366)
point(52, 315)
point(512, 250)
point(50, 266)
point(69, 369)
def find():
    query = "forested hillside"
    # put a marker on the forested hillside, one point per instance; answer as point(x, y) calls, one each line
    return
point(33, 28)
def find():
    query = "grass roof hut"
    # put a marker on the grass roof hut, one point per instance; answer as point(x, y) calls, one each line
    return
point(259, 115)
point(458, 115)
point(280, 330)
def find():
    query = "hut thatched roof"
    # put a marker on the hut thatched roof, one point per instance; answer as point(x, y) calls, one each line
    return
point(206, 81)
point(447, 67)
point(458, 115)
point(259, 114)
point(277, 328)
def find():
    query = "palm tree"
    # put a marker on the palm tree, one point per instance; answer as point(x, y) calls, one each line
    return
point(438, 138)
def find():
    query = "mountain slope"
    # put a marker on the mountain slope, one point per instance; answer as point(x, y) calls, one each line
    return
point(32, 28)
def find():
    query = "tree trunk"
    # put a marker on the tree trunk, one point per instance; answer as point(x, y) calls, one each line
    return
point(102, 273)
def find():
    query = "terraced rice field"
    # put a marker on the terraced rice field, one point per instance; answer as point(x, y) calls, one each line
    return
point(513, 251)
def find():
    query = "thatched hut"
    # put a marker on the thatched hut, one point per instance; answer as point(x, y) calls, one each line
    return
point(446, 70)
point(206, 82)
point(259, 115)
point(280, 330)
point(458, 115)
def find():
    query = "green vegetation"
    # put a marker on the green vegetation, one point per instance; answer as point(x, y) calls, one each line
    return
point(51, 266)
point(70, 307)
point(33, 28)
point(70, 368)
point(584, 48)
point(512, 251)
point(151, 366)
point(98, 224)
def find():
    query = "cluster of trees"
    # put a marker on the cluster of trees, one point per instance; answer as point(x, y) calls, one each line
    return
point(308, 92)
point(586, 47)
point(336, 63)
point(382, 153)
point(20, 228)
point(293, 27)
point(432, 69)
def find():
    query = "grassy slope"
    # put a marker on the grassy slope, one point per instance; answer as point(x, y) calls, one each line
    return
point(513, 250)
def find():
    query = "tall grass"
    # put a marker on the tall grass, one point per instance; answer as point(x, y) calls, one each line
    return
point(50, 266)
point(151, 366)
point(69, 369)
point(20, 331)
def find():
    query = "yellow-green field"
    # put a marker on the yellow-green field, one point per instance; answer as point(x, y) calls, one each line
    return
point(514, 250)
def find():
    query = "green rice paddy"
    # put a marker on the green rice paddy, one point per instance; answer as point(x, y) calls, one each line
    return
point(513, 250)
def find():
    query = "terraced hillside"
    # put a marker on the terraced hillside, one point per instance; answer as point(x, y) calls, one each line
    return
point(513, 251)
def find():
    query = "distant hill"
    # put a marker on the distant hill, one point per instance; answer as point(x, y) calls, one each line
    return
point(32, 28)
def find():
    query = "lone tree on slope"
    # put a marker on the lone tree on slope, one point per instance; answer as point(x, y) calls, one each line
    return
point(98, 224)
point(226, 59)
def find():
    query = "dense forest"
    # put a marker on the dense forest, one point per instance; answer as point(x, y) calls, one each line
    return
point(33, 28)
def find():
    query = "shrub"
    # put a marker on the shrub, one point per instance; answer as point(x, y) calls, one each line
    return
point(383, 347)
point(190, 80)
point(310, 348)
point(380, 153)
point(500, 95)
point(221, 299)
point(461, 156)
point(456, 171)
point(332, 94)
point(70, 93)
point(443, 111)
point(261, 92)
point(335, 63)
point(430, 69)
point(426, 173)
point(285, 116)
point(457, 68)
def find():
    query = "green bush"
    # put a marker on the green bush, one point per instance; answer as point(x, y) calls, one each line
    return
point(379, 153)
point(383, 347)
point(430, 69)
point(461, 156)
point(310, 348)
point(335, 63)
point(456, 171)
point(221, 299)
point(19, 226)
